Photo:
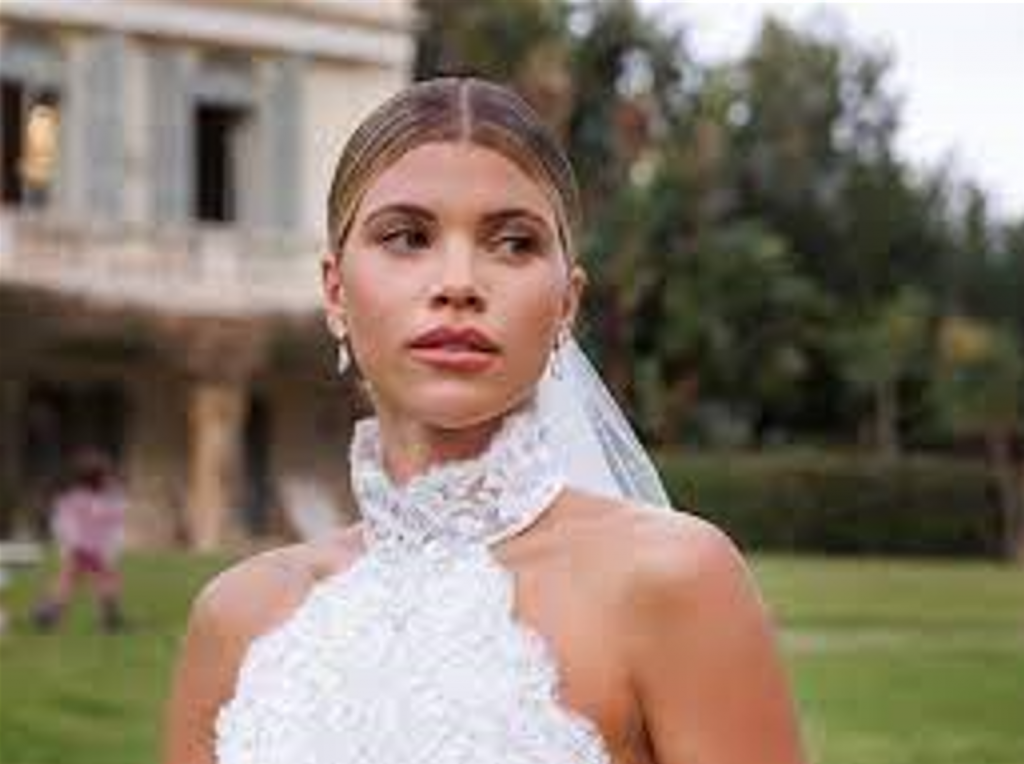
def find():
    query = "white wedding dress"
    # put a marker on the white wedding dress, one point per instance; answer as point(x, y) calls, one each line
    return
point(414, 653)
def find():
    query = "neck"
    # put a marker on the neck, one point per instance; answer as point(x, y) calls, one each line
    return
point(410, 447)
point(478, 484)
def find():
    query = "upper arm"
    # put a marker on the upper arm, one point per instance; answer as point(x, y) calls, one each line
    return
point(202, 682)
point(230, 611)
point(708, 675)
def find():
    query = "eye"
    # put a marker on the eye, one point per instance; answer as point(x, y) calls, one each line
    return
point(405, 239)
point(518, 244)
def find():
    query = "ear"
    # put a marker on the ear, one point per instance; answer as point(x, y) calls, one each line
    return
point(334, 303)
point(573, 296)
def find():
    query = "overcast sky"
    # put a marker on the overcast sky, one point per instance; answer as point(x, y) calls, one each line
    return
point(958, 66)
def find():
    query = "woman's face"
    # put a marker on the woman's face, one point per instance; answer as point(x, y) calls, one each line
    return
point(452, 237)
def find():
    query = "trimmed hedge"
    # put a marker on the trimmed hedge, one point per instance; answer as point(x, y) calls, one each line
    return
point(837, 503)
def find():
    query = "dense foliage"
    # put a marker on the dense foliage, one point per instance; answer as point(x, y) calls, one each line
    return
point(808, 501)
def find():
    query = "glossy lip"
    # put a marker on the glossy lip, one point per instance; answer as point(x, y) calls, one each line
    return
point(465, 339)
point(455, 349)
point(455, 359)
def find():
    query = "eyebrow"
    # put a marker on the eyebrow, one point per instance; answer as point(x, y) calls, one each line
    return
point(490, 220)
point(398, 209)
point(495, 219)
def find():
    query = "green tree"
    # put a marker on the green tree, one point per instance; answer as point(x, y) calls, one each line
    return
point(739, 321)
point(523, 43)
point(1007, 283)
point(979, 389)
point(881, 350)
point(629, 90)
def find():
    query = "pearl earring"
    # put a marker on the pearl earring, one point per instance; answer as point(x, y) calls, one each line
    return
point(344, 356)
point(556, 355)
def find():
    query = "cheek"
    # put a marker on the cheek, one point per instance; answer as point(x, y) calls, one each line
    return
point(373, 298)
point(534, 315)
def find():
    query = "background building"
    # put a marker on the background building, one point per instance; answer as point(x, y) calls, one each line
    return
point(164, 166)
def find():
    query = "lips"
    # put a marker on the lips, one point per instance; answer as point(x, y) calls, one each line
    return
point(450, 350)
point(455, 339)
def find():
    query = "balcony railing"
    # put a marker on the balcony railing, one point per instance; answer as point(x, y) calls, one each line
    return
point(198, 269)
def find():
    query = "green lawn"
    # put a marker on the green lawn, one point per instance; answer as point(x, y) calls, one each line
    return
point(904, 663)
point(893, 663)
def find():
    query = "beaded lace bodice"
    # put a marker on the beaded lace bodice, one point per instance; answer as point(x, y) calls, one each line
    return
point(414, 653)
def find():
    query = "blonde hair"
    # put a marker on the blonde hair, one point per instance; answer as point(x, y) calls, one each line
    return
point(452, 109)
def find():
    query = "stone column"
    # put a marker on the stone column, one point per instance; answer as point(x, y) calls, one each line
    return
point(220, 357)
point(216, 416)
point(156, 465)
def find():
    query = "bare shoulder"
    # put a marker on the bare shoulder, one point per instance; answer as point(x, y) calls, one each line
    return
point(241, 601)
point(253, 595)
point(654, 546)
point(238, 605)
point(658, 540)
point(685, 584)
point(697, 639)
point(680, 549)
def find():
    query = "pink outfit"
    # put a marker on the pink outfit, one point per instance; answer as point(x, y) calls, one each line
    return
point(89, 525)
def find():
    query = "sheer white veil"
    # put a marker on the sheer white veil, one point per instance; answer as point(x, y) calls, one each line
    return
point(593, 437)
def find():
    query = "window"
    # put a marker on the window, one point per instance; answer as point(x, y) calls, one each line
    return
point(30, 136)
point(219, 135)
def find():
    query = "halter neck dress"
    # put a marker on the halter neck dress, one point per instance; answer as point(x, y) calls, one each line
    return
point(414, 653)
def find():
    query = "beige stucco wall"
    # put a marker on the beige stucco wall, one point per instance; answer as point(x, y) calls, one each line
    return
point(337, 97)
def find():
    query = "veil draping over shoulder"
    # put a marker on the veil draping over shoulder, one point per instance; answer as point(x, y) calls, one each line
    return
point(601, 453)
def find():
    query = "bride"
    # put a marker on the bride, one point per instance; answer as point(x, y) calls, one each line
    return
point(517, 589)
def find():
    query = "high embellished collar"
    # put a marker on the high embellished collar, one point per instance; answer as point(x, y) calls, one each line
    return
point(484, 499)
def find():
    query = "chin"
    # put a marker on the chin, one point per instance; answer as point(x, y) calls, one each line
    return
point(456, 409)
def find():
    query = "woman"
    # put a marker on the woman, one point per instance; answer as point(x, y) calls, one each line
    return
point(485, 609)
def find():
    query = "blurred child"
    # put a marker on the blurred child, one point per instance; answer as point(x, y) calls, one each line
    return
point(88, 527)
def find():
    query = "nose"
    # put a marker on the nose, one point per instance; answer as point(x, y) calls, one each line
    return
point(456, 285)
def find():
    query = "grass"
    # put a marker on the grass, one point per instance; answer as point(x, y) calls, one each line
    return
point(892, 662)
point(82, 697)
point(904, 663)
